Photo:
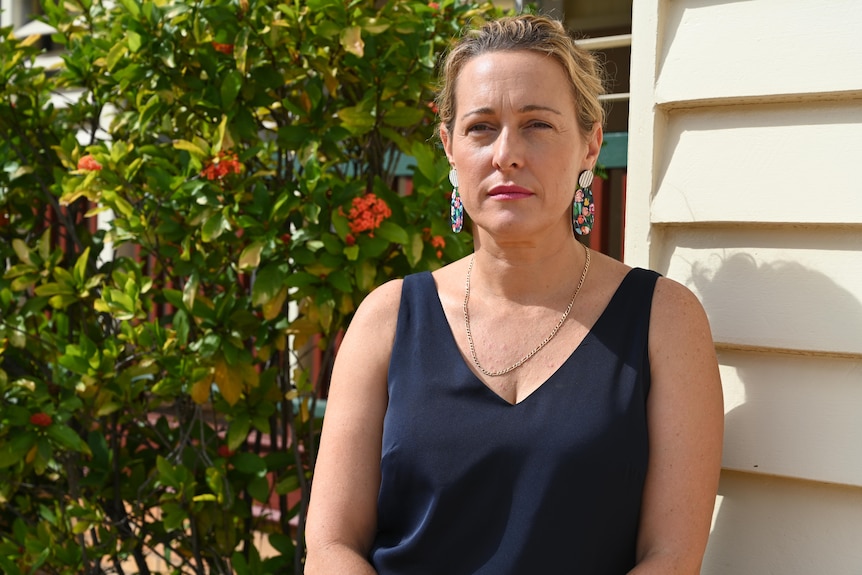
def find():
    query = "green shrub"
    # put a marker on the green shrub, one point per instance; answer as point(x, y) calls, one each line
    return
point(153, 388)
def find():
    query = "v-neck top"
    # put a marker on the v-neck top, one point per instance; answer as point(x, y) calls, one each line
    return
point(473, 484)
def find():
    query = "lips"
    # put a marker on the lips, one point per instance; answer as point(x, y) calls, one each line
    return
point(509, 192)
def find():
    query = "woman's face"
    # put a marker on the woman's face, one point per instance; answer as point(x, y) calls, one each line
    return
point(516, 144)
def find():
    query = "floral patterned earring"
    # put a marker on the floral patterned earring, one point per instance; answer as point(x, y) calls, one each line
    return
point(583, 209)
point(456, 212)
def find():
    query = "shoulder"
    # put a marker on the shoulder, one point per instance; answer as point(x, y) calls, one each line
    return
point(377, 315)
point(384, 299)
point(680, 337)
point(675, 306)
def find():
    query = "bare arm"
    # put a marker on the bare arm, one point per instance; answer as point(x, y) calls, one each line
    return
point(343, 510)
point(686, 424)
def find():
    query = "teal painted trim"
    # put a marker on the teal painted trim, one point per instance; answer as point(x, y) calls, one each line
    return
point(615, 150)
point(405, 166)
point(319, 408)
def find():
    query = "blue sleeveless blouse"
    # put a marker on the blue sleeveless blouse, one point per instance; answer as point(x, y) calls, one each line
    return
point(472, 484)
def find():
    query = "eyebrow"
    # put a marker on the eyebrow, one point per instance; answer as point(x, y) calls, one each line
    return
point(523, 110)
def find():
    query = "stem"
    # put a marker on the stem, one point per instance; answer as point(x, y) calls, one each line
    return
point(117, 510)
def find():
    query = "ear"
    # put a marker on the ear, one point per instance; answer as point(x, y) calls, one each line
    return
point(594, 146)
point(447, 143)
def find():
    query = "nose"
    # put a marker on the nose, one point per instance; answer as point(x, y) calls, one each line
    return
point(508, 150)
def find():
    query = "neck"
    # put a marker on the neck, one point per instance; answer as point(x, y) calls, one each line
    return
point(526, 273)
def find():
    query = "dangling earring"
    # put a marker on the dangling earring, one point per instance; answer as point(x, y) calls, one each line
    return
point(456, 212)
point(583, 209)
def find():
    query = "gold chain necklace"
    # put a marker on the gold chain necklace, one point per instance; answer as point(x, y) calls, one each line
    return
point(520, 362)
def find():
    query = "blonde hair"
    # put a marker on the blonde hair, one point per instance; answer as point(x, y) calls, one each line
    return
point(533, 33)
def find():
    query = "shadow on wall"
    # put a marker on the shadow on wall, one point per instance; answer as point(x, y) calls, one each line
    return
point(780, 305)
point(797, 415)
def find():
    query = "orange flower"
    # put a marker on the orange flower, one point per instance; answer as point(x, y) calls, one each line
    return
point(223, 48)
point(222, 165)
point(439, 243)
point(367, 213)
point(88, 164)
point(41, 419)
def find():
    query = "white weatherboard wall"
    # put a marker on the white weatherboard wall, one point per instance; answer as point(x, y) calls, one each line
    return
point(745, 184)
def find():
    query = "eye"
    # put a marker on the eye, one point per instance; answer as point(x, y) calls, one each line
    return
point(479, 127)
point(539, 124)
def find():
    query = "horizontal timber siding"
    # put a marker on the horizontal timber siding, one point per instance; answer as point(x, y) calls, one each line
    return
point(745, 146)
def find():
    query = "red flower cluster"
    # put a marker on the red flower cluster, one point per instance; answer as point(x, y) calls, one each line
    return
point(222, 165)
point(367, 213)
point(223, 48)
point(434, 6)
point(88, 163)
point(41, 419)
point(439, 243)
point(224, 451)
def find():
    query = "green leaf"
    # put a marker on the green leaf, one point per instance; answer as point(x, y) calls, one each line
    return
point(414, 251)
point(166, 473)
point(239, 564)
point(237, 432)
point(115, 54)
point(173, 516)
point(191, 148)
point(403, 117)
point(214, 226)
point(230, 88)
point(121, 205)
point(351, 40)
point(259, 489)
point(249, 463)
point(134, 40)
point(425, 160)
point(299, 279)
point(15, 450)
point(181, 326)
point(133, 8)
point(174, 297)
point(205, 497)
point(20, 270)
point(340, 280)
point(357, 119)
point(66, 437)
point(50, 289)
point(7, 566)
point(352, 253)
point(241, 49)
point(190, 290)
point(62, 301)
point(365, 275)
point(250, 256)
point(392, 232)
point(267, 284)
point(80, 270)
point(287, 485)
point(74, 363)
point(22, 251)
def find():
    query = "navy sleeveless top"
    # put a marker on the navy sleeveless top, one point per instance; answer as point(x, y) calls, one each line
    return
point(475, 485)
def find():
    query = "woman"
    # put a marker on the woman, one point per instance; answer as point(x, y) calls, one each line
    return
point(534, 407)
